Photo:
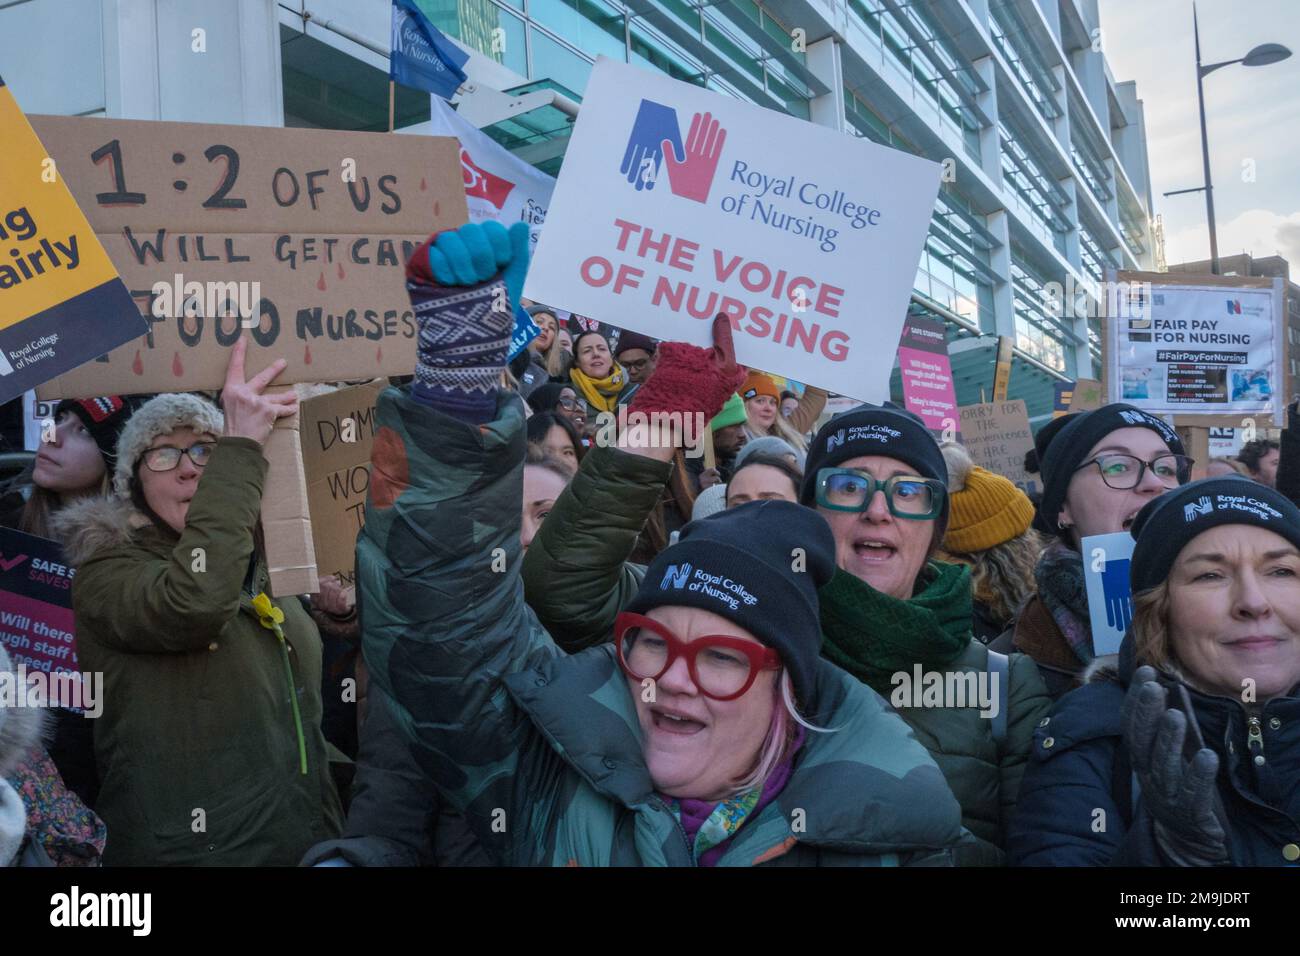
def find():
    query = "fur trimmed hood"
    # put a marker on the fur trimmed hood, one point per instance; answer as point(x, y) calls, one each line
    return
point(21, 728)
point(1101, 668)
point(96, 524)
point(1120, 667)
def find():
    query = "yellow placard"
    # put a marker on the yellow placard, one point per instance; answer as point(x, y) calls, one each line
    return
point(48, 252)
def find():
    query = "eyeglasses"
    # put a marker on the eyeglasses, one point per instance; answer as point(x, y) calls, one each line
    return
point(847, 489)
point(722, 667)
point(167, 457)
point(637, 365)
point(573, 405)
point(1123, 472)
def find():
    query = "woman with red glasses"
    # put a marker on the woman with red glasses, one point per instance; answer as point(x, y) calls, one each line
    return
point(708, 732)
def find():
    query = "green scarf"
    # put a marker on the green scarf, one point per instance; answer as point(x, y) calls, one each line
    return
point(873, 636)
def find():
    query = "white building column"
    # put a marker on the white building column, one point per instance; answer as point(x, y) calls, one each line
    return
point(824, 63)
point(193, 60)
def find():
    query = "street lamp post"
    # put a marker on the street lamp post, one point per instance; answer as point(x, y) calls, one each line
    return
point(1261, 55)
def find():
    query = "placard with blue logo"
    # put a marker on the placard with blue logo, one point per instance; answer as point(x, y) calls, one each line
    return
point(675, 204)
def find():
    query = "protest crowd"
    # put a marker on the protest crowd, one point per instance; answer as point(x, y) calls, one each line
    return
point(577, 638)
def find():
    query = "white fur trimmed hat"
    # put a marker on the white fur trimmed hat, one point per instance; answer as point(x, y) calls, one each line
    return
point(161, 415)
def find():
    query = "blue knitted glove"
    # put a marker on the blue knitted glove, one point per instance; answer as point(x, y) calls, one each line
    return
point(463, 285)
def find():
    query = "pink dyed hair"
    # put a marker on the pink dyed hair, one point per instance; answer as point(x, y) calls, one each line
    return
point(781, 735)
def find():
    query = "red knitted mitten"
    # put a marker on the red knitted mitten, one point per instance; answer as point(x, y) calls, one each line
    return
point(688, 378)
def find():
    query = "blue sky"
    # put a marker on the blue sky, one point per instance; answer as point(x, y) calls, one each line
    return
point(1251, 113)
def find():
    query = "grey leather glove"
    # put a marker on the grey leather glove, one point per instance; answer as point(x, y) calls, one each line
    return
point(1179, 794)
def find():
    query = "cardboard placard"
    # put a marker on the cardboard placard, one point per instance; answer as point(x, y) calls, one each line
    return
point(1106, 561)
point(1002, 370)
point(61, 301)
point(305, 231)
point(1088, 394)
point(286, 524)
point(338, 430)
point(927, 374)
point(997, 435)
point(807, 238)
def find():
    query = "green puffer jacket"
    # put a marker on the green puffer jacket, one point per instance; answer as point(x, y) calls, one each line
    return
point(197, 714)
point(541, 750)
point(576, 579)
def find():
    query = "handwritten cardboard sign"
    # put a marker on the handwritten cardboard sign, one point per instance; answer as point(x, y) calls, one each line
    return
point(305, 232)
point(807, 239)
point(997, 435)
point(337, 433)
point(61, 301)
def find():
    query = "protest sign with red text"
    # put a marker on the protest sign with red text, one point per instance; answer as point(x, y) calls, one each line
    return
point(675, 204)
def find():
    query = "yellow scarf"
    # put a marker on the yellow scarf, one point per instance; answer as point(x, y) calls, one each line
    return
point(600, 393)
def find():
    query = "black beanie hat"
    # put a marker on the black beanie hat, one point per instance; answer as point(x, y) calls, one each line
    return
point(1064, 449)
point(545, 397)
point(1166, 524)
point(104, 418)
point(741, 563)
point(874, 430)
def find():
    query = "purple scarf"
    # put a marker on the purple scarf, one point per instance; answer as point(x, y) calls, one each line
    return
point(694, 813)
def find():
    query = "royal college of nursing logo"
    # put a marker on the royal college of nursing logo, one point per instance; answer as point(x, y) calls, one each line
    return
point(676, 575)
point(656, 140)
point(1194, 509)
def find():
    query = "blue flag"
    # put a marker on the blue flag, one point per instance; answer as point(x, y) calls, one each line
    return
point(421, 56)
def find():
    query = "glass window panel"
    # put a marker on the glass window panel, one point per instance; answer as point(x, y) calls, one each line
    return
point(779, 33)
point(591, 25)
point(654, 52)
point(723, 45)
point(554, 62)
point(514, 51)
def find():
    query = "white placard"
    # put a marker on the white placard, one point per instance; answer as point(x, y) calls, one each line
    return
point(1195, 349)
point(1106, 560)
point(806, 237)
point(1225, 442)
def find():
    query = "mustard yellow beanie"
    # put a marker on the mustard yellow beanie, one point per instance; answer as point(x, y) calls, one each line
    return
point(986, 510)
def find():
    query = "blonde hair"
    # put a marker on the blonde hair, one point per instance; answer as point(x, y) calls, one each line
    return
point(780, 428)
point(1002, 577)
point(1150, 628)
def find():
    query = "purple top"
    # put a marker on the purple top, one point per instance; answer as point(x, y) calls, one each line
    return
point(695, 812)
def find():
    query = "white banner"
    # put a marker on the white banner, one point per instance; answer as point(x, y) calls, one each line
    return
point(675, 204)
point(1195, 349)
point(498, 184)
